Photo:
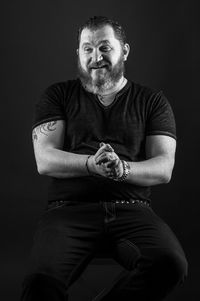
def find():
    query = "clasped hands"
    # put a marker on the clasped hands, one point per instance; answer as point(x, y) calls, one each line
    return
point(106, 162)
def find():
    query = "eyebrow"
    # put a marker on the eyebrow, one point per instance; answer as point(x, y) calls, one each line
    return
point(101, 42)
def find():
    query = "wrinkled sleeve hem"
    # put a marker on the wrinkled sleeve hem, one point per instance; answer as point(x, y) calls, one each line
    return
point(54, 118)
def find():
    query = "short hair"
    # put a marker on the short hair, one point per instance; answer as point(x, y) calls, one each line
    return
point(96, 22)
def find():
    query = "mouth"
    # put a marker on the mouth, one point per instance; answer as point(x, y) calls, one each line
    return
point(99, 67)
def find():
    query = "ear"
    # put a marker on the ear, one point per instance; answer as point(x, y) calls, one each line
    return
point(77, 51)
point(126, 50)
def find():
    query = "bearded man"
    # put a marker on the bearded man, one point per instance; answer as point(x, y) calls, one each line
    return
point(103, 140)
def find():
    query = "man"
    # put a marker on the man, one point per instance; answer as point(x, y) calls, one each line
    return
point(103, 140)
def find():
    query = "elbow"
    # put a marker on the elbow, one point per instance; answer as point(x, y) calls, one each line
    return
point(167, 172)
point(42, 169)
point(43, 163)
point(45, 167)
point(166, 177)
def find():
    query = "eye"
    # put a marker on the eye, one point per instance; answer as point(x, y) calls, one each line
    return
point(87, 49)
point(105, 48)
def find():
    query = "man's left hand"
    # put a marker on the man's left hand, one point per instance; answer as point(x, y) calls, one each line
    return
point(110, 160)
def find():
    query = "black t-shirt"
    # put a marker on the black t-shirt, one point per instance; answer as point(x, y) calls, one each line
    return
point(136, 112)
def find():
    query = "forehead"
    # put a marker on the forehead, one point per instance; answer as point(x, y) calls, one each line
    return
point(105, 33)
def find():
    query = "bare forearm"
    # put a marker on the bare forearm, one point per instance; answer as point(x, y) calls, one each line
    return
point(151, 172)
point(60, 164)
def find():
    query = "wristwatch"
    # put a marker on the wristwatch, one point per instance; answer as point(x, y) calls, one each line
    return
point(126, 168)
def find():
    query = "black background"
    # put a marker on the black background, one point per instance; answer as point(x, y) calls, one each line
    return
point(38, 44)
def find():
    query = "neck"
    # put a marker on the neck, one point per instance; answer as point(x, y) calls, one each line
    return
point(107, 98)
point(113, 90)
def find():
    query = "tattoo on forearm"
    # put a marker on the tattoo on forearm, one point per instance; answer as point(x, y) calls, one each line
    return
point(34, 136)
point(44, 129)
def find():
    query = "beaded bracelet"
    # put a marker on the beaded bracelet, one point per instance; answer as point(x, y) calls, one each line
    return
point(86, 164)
point(126, 171)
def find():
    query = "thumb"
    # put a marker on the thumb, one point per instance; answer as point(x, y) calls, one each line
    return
point(107, 146)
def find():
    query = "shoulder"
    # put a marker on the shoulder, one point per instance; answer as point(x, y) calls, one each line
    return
point(142, 90)
point(62, 86)
point(147, 96)
point(143, 96)
point(59, 92)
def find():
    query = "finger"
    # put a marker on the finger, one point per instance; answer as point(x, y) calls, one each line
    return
point(107, 172)
point(113, 163)
point(101, 150)
point(98, 154)
point(105, 157)
point(111, 172)
point(108, 146)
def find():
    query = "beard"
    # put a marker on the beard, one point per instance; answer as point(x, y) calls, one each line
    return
point(104, 79)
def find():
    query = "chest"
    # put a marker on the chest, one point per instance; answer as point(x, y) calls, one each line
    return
point(89, 121)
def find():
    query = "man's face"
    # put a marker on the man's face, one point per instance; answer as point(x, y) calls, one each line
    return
point(100, 59)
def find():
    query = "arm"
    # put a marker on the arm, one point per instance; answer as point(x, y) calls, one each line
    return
point(51, 160)
point(157, 168)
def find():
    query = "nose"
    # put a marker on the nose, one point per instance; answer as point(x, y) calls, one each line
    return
point(97, 56)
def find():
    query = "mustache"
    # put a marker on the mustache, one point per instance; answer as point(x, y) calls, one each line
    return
point(99, 65)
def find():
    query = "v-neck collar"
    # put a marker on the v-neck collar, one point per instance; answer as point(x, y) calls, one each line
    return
point(95, 97)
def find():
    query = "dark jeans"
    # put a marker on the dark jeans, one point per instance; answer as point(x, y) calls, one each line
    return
point(68, 236)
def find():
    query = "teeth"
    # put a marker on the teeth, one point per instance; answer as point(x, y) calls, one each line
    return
point(99, 67)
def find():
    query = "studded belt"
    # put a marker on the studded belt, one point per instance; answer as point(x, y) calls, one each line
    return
point(60, 203)
point(131, 202)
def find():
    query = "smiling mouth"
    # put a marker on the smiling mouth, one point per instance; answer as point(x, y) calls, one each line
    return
point(96, 68)
point(99, 66)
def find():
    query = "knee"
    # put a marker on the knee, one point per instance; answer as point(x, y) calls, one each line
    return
point(174, 267)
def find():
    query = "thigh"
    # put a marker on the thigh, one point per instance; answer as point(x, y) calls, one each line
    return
point(138, 232)
point(65, 241)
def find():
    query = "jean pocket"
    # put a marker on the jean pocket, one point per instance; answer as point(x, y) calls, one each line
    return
point(58, 204)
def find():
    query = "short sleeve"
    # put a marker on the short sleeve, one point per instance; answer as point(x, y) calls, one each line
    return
point(50, 106)
point(160, 120)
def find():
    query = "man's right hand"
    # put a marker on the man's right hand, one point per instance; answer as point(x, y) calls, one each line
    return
point(101, 169)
